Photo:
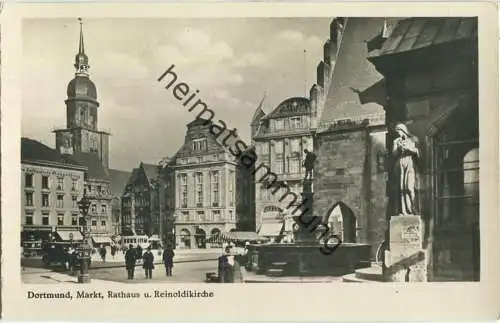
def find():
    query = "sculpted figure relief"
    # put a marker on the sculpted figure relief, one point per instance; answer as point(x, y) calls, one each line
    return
point(406, 152)
point(309, 163)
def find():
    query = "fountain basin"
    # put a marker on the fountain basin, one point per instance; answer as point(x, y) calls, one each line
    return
point(306, 259)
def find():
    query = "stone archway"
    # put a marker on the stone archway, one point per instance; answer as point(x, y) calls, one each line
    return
point(201, 238)
point(185, 238)
point(343, 222)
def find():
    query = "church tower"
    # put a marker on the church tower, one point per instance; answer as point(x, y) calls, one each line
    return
point(82, 134)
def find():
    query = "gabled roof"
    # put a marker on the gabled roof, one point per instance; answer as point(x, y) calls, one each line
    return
point(354, 75)
point(259, 112)
point(151, 171)
point(133, 176)
point(415, 33)
point(96, 169)
point(119, 179)
point(36, 151)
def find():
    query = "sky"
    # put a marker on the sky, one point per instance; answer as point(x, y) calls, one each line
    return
point(231, 61)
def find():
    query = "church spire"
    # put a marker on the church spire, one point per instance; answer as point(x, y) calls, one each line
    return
point(81, 59)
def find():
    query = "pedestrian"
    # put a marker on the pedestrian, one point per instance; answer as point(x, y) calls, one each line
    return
point(148, 260)
point(226, 264)
point(168, 259)
point(102, 252)
point(113, 251)
point(130, 260)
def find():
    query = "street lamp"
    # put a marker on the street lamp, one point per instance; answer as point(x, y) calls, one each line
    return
point(84, 250)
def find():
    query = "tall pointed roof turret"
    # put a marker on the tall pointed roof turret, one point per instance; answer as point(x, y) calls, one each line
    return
point(81, 86)
point(259, 112)
point(81, 59)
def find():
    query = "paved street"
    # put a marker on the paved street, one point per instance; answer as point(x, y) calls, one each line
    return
point(186, 272)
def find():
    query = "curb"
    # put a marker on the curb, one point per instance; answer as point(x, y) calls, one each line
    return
point(121, 265)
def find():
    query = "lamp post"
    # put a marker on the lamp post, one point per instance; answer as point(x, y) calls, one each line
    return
point(84, 250)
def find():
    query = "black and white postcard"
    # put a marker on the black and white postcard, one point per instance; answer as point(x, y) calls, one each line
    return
point(219, 161)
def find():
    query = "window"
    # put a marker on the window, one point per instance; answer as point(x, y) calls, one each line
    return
point(200, 216)
point(215, 188)
point(184, 190)
point(74, 183)
point(99, 189)
point(278, 124)
point(199, 160)
point(294, 166)
point(93, 208)
point(74, 219)
point(198, 177)
point(231, 215)
point(104, 209)
point(295, 123)
point(74, 201)
point(216, 215)
point(184, 216)
point(28, 220)
point(295, 145)
point(264, 148)
point(45, 200)
point(278, 166)
point(60, 201)
point(60, 219)
point(45, 182)
point(45, 218)
point(28, 180)
point(94, 223)
point(278, 148)
point(60, 183)
point(199, 144)
point(231, 188)
point(103, 223)
point(29, 198)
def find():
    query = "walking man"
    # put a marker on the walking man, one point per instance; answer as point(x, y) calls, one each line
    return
point(148, 263)
point(168, 259)
point(130, 260)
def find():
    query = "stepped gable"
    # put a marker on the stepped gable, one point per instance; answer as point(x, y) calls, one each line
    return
point(356, 89)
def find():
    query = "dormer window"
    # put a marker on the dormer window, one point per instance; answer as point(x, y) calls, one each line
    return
point(295, 123)
point(199, 144)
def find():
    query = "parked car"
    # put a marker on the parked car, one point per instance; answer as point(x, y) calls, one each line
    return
point(58, 253)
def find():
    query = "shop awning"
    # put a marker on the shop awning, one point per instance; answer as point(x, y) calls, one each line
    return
point(69, 235)
point(271, 229)
point(236, 236)
point(101, 239)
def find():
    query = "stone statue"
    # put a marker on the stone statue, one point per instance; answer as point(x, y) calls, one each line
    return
point(406, 152)
point(309, 163)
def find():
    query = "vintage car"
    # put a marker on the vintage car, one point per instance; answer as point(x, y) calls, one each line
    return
point(58, 253)
point(32, 248)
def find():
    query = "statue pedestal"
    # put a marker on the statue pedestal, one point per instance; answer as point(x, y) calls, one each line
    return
point(406, 260)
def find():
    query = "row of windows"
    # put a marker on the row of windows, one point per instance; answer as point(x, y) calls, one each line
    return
point(199, 144)
point(202, 216)
point(201, 159)
point(46, 202)
point(61, 220)
point(296, 122)
point(292, 146)
point(199, 186)
point(59, 184)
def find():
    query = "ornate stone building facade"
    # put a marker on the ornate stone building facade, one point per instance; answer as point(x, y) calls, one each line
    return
point(51, 186)
point(206, 176)
point(140, 202)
